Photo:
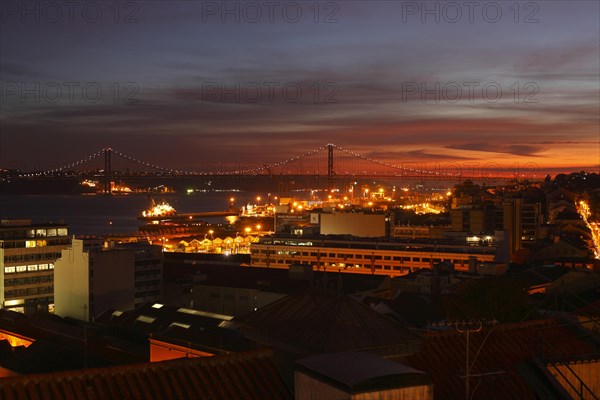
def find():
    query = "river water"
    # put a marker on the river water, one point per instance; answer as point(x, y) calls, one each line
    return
point(93, 214)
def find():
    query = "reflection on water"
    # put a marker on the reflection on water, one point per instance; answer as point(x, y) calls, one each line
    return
point(101, 215)
point(232, 219)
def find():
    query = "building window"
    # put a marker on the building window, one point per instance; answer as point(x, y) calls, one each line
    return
point(21, 268)
point(30, 243)
point(9, 270)
point(32, 268)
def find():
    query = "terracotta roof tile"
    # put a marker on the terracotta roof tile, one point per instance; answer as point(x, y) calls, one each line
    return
point(320, 321)
point(507, 346)
point(250, 375)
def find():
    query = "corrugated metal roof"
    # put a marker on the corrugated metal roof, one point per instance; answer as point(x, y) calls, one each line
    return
point(249, 375)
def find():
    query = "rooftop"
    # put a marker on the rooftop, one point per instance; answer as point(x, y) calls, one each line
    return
point(503, 354)
point(359, 372)
point(397, 244)
point(28, 223)
point(318, 321)
point(250, 375)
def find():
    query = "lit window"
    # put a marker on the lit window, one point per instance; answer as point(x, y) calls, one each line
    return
point(12, 303)
point(9, 270)
point(62, 231)
point(41, 243)
point(21, 268)
point(30, 243)
point(43, 267)
point(157, 305)
point(32, 268)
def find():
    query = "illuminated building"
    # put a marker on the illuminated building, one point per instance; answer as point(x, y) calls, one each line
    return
point(419, 231)
point(27, 255)
point(365, 256)
point(521, 220)
point(335, 223)
point(478, 214)
point(89, 279)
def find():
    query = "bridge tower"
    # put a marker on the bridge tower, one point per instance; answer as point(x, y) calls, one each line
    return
point(107, 171)
point(330, 171)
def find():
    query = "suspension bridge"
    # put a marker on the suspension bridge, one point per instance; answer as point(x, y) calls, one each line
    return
point(324, 166)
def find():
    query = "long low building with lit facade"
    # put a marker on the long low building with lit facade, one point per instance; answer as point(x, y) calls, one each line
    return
point(369, 256)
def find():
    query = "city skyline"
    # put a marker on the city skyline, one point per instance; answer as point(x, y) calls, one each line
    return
point(182, 84)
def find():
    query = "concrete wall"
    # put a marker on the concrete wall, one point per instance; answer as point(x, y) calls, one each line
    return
point(88, 282)
point(231, 301)
point(71, 282)
point(308, 388)
point(112, 281)
point(364, 225)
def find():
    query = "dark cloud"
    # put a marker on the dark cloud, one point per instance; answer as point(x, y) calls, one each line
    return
point(522, 150)
point(367, 59)
point(416, 155)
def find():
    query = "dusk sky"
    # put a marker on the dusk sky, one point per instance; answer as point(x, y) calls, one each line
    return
point(387, 74)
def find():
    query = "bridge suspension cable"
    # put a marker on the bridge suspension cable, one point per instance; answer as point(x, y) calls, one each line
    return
point(66, 166)
point(146, 164)
point(388, 165)
point(252, 171)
